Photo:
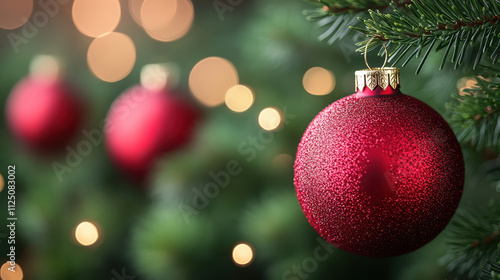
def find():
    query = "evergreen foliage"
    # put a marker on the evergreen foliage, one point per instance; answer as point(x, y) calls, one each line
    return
point(474, 238)
point(474, 112)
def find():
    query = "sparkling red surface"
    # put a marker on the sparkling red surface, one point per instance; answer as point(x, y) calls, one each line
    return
point(44, 115)
point(142, 125)
point(379, 176)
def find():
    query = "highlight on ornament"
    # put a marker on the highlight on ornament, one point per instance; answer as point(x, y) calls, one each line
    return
point(211, 78)
point(111, 57)
point(239, 98)
point(94, 18)
point(11, 272)
point(46, 67)
point(160, 75)
point(15, 13)
point(243, 255)
point(86, 234)
point(167, 21)
point(318, 81)
point(270, 119)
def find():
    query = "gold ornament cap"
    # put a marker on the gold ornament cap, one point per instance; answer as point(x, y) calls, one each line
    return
point(382, 77)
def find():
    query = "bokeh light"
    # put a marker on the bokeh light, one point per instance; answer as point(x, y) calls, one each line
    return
point(242, 255)
point(2, 183)
point(318, 81)
point(466, 83)
point(239, 98)
point(15, 13)
point(94, 18)
point(45, 67)
point(86, 233)
point(270, 118)
point(211, 78)
point(283, 161)
point(157, 14)
point(7, 274)
point(160, 75)
point(134, 7)
point(178, 26)
point(111, 57)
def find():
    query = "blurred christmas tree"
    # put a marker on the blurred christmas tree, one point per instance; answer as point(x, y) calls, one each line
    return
point(224, 206)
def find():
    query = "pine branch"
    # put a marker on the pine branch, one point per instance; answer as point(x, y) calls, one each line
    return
point(435, 25)
point(336, 16)
point(491, 272)
point(473, 242)
point(492, 172)
point(340, 7)
point(475, 111)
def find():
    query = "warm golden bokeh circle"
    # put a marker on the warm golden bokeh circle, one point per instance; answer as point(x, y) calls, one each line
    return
point(111, 57)
point(94, 18)
point(243, 255)
point(15, 13)
point(7, 274)
point(270, 119)
point(211, 78)
point(239, 98)
point(134, 7)
point(466, 83)
point(318, 81)
point(2, 183)
point(178, 26)
point(86, 233)
point(157, 14)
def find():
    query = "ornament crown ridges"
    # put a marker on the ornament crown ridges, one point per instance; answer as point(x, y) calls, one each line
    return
point(382, 77)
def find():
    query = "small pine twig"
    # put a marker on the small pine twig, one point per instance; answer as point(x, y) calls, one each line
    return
point(337, 9)
point(340, 15)
point(438, 24)
point(473, 242)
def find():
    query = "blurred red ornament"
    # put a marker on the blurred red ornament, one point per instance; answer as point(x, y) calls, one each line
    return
point(379, 173)
point(143, 124)
point(44, 113)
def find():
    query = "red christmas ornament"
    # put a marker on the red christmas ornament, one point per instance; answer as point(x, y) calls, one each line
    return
point(379, 173)
point(143, 124)
point(43, 112)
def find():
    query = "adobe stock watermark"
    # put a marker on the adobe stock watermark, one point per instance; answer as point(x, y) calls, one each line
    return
point(12, 217)
point(121, 276)
point(40, 19)
point(223, 6)
point(310, 264)
point(221, 179)
point(94, 137)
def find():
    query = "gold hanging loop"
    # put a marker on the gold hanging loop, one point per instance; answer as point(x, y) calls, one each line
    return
point(366, 50)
